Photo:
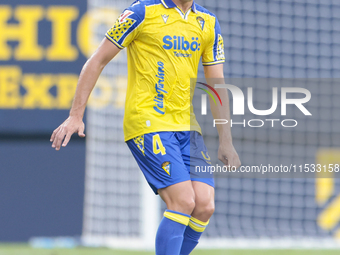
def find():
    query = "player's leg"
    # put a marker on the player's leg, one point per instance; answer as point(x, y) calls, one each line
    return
point(159, 157)
point(180, 201)
point(195, 154)
point(179, 197)
point(204, 209)
point(204, 201)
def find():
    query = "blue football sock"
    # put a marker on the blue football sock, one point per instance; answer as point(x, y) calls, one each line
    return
point(192, 234)
point(169, 236)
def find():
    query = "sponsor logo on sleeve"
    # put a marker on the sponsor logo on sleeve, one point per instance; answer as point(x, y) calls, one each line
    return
point(220, 48)
point(123, 17)
point(122, 25)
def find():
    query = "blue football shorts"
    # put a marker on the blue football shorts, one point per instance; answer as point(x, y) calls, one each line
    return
point(167, 158)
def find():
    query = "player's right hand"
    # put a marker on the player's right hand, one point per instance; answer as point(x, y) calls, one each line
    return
point(62, 135)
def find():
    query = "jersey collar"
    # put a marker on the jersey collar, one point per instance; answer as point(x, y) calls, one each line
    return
point(170, 4)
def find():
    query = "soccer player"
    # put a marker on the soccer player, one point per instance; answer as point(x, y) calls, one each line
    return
point(165, 41)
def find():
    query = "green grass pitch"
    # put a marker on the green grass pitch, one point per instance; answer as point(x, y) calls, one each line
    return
point(26, 250)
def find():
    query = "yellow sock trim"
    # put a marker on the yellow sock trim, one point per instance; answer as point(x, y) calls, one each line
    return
point(199, 222)
point(197, 225)
point(177, 218)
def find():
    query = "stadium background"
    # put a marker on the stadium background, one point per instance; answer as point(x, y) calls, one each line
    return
point(39, 188)
point(42, 191)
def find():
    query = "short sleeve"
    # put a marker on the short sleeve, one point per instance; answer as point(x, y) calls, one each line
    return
point(214, 51)
point(127, 26)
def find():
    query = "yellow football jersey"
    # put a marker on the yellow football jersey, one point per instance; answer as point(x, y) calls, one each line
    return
point(164, 47)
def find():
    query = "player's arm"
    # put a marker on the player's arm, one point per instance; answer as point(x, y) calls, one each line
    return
point(226, 152)
point(87, 80)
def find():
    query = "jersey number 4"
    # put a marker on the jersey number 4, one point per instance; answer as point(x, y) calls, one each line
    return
point(158, 145)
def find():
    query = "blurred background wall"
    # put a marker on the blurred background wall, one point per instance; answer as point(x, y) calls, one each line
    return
point(42, 50)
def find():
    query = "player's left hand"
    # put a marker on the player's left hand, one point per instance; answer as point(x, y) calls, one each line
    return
point(228, 155)
point(62, 135)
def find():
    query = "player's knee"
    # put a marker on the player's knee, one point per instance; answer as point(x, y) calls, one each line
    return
point(209, 209)
point(187, 204)
point(180, 198)
point(205, 207)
